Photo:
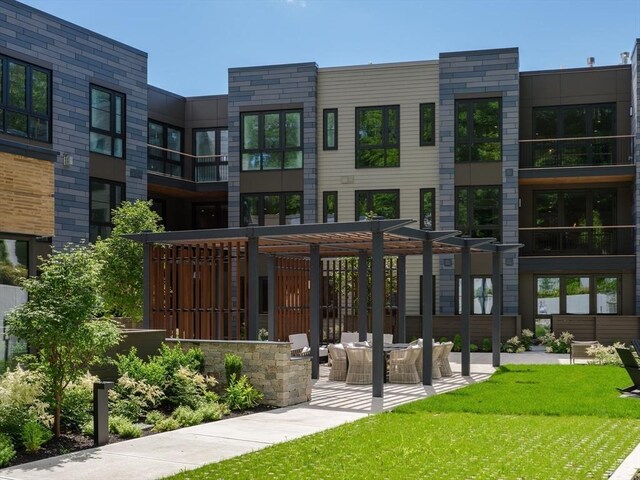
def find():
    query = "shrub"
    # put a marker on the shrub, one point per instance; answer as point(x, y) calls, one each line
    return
point(7, 451)
point(153, 417)
point(457, 343)
point(187, 417)
point(473, 347)
point(486, 345)
point(513, 345)
point(263, 335)
point(153, 372)
point(77, 404)
point(562, 344)
point(605, 355)
point(212, 411)
point(124, 427)
point(172, 358)
point(133, 398)
point(87, 428)
point(526, 338)
point(166, 425)
point(232, 367)
point(240, 394)
point(188, 388)
point(34, 435)
point(443, 340)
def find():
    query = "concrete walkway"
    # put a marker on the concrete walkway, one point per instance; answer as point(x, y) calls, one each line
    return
point(333, 404)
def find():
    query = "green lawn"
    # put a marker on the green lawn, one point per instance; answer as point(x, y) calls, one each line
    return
point(526, 422)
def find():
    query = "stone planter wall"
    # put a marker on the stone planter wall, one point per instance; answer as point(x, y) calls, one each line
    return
point(284, 380)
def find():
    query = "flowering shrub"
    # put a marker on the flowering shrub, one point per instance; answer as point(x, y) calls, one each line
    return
point(131, 398)
point(513, 345)
point(21, 393)
point(562, 344)
point(526, 337)
point(605, 355)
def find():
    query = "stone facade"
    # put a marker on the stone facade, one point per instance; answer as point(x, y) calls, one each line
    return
point(282, 379)
point(635, 131)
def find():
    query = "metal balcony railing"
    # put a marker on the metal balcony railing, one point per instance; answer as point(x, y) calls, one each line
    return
point(195, 168)
point(576, 152)
point(563, 241)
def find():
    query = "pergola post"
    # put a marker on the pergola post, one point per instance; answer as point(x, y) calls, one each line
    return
point(427, 312)
point(377, 306)
point(497, 306)
point(466, 309)
point(363, 295)
point(252, 288)
point(146, 285)
point(314, 306)
point(271, 300)
point(401, 293)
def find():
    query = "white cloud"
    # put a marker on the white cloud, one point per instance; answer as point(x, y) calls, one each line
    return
point(296, 3)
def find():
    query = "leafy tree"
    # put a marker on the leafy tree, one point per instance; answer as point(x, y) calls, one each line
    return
point(121, 275)
point(58, 321)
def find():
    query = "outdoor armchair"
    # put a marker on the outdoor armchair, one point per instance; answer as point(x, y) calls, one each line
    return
point(300, 346)
point(402, 365)
point(387, 338)
point(360, 365)
point(630, 364)
point(435, 360)
point(338, 356)
point(445, 366)
point(578, 350)
point(349, 337)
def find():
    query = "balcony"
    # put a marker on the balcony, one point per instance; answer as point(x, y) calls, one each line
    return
point(198, 169)
point(572, 241)
point(576, 152)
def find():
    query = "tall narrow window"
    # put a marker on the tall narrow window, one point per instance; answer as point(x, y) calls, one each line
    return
point(481, 295)
point(378, 137)
point(104, 196)
point(478, 211)
point(428, 208)
point(427, 124)
point(330, 207)
point(330, 126)
point(478, 131)
point(107, 122)
point(211, 147)
point(382, 203)
point(271, 140)
point(164, 154)
point(14, 261)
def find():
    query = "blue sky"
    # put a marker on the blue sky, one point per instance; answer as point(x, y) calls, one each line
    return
point(191, 43)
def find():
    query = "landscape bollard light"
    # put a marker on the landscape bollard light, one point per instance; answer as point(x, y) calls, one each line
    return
point(101, 412)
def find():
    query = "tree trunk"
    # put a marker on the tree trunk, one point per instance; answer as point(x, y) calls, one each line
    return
point(56, 415)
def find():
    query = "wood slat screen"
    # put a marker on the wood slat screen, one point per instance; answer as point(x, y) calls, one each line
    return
point(292, 296)
point(199, 291)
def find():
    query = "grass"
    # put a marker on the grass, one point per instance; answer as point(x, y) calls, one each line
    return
point(526, 422)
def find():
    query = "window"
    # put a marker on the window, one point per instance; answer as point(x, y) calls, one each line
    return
point(428, 208)
point(211, 147)
point(104, 196)
point(163, 155)
point(478, 211)
point(271, 140)
point(271, 209)
point(481, 295)
point(577, 294)
point(378, 137)
point(478, 131)
point(427, 124)
point(330, 128)
point(14, 261)
point(107, 122)
point(330, 207)
point(25, 100)
point(210, 215)
point(383, 203)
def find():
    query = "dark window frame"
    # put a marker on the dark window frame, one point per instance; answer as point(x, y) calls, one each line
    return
point(369, 194)
point(261, 150)
point(433, 208)
point(589, 205)
point(560, 112)
point(431, 142)
point(458, 293)
point(165, 157)
point(593, 292)
point(112, 120)
point(218, 165)
point(470, 138)
point(112, 202)
point(471, 226)
point(325, 137)
point(385, 135)
point(282, 207)
point(218, 206)
point(325, 213)
point(32, 116)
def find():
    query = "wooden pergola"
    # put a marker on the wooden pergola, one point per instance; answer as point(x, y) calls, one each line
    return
point(373, 239)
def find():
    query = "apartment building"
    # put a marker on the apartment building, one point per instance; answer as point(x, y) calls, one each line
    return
point(467, 141)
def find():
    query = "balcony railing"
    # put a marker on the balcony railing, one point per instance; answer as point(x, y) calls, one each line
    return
point(576, 152)
point(563, 241)
point(195, 168)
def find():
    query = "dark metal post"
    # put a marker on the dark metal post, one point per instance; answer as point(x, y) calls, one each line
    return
point(101, 412)
point(146, 285)
point(497, 307)
point(427, 312)
point(314, 301)
point(466, 308)
point(377, 306)
point(271, 301)
point(402, 299)
point(252, 289)
point(363, 296)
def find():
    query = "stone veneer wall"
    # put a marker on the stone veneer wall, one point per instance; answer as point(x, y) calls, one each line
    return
point(463, 74)
point(282, 379)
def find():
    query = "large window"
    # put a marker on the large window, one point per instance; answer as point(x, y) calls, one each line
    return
point(107, 122)
point(210, 215)
point(271, 209)
point(14, 261)
point(378, 137)
point(330, 207)
point(25, 100)
point(481, 295)
point(478, 211)
point(427, 124)
point(478, 130)
point(382, 203)
point(166, 158)
point(211, 146)
point(330, 128)
point(271, 140)
point(577, 294)
point(428, 208)
point(104, 197)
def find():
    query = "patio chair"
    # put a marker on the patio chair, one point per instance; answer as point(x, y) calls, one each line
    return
point(435, 359)
point(633, 369)
point(349, 337)
point(387, 338)
point(338, 356)
point(418, 343)
point(360, 370)
point(300, 347)
point(402, 365)
point(578, 350)
point(445, 366)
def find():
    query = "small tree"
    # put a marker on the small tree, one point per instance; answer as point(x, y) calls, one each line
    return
point(58, 321)
point(121, 272)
